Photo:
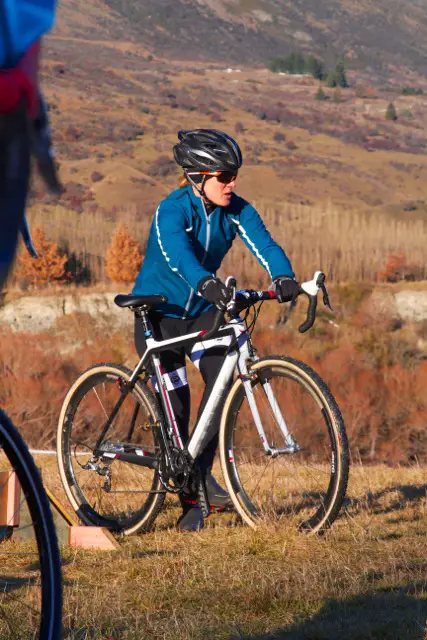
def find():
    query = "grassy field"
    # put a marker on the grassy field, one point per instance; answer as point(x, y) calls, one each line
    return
point(365, 579)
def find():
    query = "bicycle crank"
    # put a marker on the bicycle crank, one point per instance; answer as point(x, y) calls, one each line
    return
point(174, 473)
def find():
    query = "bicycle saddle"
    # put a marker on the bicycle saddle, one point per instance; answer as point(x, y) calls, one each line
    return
point(139, 301)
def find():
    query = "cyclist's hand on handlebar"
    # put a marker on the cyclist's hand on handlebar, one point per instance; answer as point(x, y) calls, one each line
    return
point(214, 291)
point(286, 288)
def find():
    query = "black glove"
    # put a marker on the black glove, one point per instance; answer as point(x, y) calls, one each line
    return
point(287, 288)
point(214, 291)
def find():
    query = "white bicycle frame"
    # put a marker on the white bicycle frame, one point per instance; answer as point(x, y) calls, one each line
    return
point(239, 356)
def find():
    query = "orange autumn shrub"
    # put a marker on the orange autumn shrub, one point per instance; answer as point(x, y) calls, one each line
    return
point(124, 256)
point(48, 268)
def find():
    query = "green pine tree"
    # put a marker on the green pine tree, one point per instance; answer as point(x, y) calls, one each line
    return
point(314, 67)
point(331, 79)
point(341, 78)
point(391, 113)
point(299, 63)
point(276, 65)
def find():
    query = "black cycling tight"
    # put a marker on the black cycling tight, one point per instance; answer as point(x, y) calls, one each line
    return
point(209, 362)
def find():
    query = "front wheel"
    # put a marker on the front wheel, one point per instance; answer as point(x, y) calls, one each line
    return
point(30, 580)
point(303, 476)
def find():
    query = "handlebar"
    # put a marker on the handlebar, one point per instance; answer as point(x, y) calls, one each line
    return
point(310, 288)
point(218, 321)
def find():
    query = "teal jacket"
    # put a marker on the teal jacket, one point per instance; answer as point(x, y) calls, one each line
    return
point(186, 245)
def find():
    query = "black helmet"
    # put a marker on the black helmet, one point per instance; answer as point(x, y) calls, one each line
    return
point(207, 150)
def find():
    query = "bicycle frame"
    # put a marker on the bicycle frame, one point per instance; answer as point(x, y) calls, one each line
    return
point(238, 356)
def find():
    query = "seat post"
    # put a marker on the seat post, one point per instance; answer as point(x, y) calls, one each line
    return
point(142, 314)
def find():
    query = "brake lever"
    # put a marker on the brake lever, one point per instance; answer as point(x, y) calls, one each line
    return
point(326, 300)
point(42, 149)
point(321, 283)
point(26, 236)
point(231, 284)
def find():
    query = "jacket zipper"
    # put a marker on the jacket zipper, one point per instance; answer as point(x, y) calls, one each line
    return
point(208, 233)
point(208, 238)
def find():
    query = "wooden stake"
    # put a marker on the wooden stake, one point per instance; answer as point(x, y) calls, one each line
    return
point(76, 536)
point(92, 538)
point(10, 495)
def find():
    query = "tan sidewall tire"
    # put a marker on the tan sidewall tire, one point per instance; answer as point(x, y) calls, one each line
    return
point(118, 370)
point(311, 386)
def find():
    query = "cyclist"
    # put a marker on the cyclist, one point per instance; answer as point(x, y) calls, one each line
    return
point(193, 229)
point(24, 125)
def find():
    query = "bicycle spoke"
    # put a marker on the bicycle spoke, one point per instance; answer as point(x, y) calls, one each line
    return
point(245, 482)
point(100, 403)
point(262, 475)
point(252, 460)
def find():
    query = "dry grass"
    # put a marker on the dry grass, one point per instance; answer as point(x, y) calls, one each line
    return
point(87, 238)
point(366, 578)
point(347, 246)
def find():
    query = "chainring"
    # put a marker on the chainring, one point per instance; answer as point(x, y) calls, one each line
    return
point(174, 479)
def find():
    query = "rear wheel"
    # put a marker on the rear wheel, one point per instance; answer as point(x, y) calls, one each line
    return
point(111, 493)
point(30, 580)
point(304, 487)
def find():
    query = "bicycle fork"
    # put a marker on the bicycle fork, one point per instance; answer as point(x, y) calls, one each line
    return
point(247, 379)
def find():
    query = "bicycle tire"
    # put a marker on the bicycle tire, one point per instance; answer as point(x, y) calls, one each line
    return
point(80, 424)
point(309, 486)
point(41, 581)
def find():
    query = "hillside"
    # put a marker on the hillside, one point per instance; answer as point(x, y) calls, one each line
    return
point(383, 34)
point(116, 108)
point(117, 103)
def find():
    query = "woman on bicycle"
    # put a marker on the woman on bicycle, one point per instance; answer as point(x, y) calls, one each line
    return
point(192, 231)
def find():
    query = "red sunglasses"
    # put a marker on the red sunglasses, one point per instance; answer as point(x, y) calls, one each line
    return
point(225, 177)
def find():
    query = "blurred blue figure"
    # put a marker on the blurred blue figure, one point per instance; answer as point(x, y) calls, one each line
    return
point(22, 23)
point(24, 127)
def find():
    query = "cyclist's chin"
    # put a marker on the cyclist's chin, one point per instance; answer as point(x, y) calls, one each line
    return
point(225, 199)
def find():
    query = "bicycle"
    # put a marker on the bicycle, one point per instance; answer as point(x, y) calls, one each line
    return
point(30, 589)
point(120, 452)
